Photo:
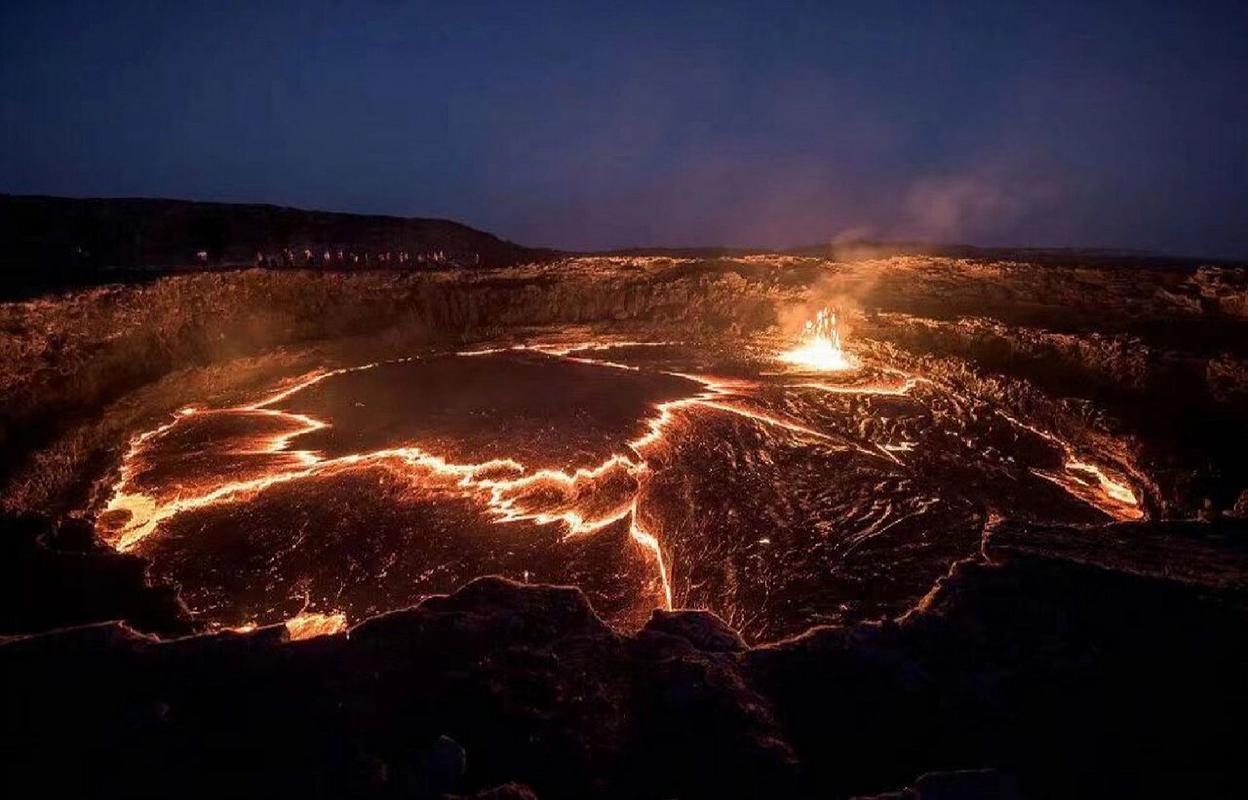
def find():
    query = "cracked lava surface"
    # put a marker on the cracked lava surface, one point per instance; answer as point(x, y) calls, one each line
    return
point(650, 474)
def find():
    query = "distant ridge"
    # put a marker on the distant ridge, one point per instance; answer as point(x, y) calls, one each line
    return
point(49, 242)
point(860, 249)
point(1052, 256)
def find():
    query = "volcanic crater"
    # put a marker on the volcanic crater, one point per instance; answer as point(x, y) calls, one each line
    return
point(789, 463)
point(776, 495)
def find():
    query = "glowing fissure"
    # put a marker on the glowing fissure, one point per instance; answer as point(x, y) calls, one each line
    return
point(651, 543)
point(883, 391)
point(1113, 496)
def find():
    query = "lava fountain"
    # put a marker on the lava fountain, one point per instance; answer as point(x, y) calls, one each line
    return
point(820, 348)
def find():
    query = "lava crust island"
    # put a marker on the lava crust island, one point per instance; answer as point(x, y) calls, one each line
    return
point(736, 526)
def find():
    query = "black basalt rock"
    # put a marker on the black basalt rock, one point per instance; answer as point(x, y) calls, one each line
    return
point(702, 629)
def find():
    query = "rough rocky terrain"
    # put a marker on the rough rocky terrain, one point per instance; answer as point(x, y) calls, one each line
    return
point(1061, 662)
point(1064, 677)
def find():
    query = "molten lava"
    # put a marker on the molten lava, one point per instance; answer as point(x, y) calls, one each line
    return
point(776, 501)
point(820, 348)
point(309, 624)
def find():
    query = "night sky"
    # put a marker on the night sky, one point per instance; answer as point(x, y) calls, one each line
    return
point(766, 124)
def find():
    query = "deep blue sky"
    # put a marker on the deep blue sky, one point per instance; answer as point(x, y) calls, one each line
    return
point(667, 123)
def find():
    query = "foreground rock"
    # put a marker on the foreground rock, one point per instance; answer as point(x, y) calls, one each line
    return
point(1068, 678)
point(55, 576)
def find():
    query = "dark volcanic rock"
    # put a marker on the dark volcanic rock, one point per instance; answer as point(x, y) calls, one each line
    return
point(702, 629)
point(971, 784)
point(1078, 679)
point(508, 791)
point(57, 576)
point(1073, 678)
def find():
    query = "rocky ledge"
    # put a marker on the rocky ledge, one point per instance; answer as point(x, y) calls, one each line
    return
point(1078, 670)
